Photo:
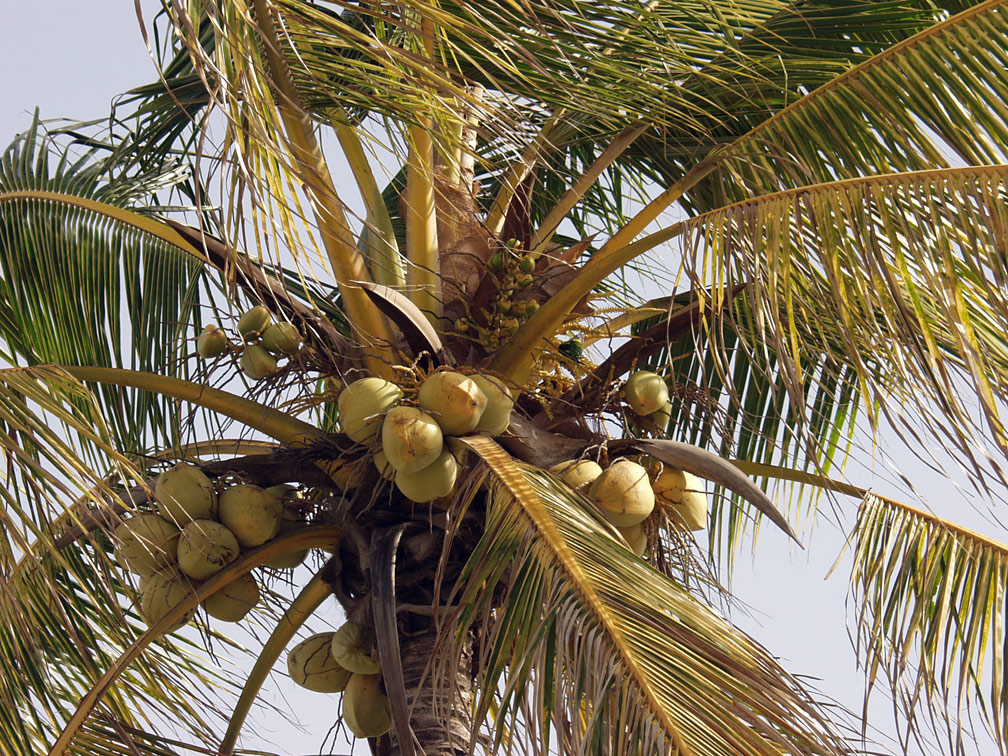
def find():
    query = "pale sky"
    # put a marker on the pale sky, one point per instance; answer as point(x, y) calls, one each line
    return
point(71, 58)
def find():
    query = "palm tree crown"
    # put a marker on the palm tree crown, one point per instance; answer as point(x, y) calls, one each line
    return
point(443, 391)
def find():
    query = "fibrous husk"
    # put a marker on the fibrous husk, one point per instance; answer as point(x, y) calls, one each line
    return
point(311, 665)
point(411, 439)
point(684, 495)
point(251, 513)
point(184, 494)
point(353, 647)
point(624, 493)
point(205, 547)
point(497, 415)
point(145, 543)
point(454, 400)
point(365, 707)
point(645, 392)
point(579, 474)
point(431, 482)
point(236, 599)
point(212, 342)
point(162, 592)
point(257, 363)
point(253, 322)
point(362, 404)
point(282, 338)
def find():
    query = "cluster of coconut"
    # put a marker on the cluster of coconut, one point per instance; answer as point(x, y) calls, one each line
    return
point(346, 662)
point(194, 534)
point(514, 303)
point(626, 494)
point(264, 342)
point(415, 448)
point(647, 395)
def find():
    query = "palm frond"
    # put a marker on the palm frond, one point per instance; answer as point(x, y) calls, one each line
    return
point(616, 657)
point(931, 619)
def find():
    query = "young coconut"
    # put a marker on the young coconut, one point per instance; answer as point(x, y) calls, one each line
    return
point(684, 494)
point(663, 416)
point(384, 468)
point(205, 547)
point(232, 602)
point(365, 707)
point(162, 592)
point(645, 392)
point(257, 363)
point(185, 494)
point(311, 665)
point(253, 322)
point(635, 537)
point(251, 513)
point(362, 404)
point(353, 648)
point(454, 400)
point(145, 543)
point(282, 338)
point(431, 482)
point(411, 439)
point(212, 342)
point(579, 473)
point(292, 518)
point(624, 493)
point(497, 415)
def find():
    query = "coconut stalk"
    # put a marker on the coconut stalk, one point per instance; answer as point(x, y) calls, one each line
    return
point(337, 237)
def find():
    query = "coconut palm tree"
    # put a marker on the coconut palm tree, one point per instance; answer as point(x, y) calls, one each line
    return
point(814, 193)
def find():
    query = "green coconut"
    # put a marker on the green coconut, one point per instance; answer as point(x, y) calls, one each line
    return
point(662, 416)
point(645, 392)
point(184, 494)
point(624, 493)
point(311, 665)
point(162, 592)
point(431, 482)
point(291, 519)
point(579, 473)
point(365, 707)
point(635, 537)
point(232, 602)
point(497, 415)
point(684, 495)
point(251, 513)
point(384, 468)
point(253, 322)
point(353, 647)
point(212, 342)
point(282, 338)
point(257, 363)
point(454, 400)
point(411, 439)
point(205, 547)
point(145, 543)
point(362, 405)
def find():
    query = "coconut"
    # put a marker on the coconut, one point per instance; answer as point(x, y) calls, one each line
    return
point(185, 494)
point(497, 414)
point(291, 519)
point(684, 494)
point(311, 665)
point(454, 400)
point(635, 537)
point(145, 543)
point(361, 406)
point(212, 342)
point(236, 599)
point(282, 338)
point(431, 482)
point(353, 647)
point(662, 416)
point(252, 514)
point(579, 473)
point(365, 708)
point(253, 322)
point(411, 439)
point(257, 363)
point(205, 547)
point(162, 592)
point(645, 392)
point(624, 493)
point(384, 468)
